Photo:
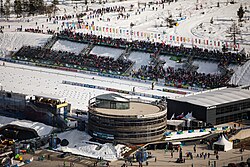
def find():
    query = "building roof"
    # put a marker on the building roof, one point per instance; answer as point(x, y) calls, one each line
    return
point(136, 109)
point(40, 128)
point(217, 97)
point(175, 122)
point(112, 97)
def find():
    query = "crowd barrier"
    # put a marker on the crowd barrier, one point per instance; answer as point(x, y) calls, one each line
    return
point(111, 89)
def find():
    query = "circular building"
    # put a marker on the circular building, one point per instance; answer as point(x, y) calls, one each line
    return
point(114, 117)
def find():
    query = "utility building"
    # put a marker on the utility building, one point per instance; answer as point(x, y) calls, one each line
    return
point(214, 106)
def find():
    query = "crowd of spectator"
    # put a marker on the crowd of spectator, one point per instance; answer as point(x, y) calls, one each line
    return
point(90, 62)
point(147, 46)
point(182, 77)
point(150, 72)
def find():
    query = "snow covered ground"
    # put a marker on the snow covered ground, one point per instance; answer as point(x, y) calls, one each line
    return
point(170, 63)
point(241, 75)
point(79, 144)
point(106, 51)
point(195, 24)
point(206, 67)
point(69, 46)
point(140, 58)
point(36, 81)
point(10, 41)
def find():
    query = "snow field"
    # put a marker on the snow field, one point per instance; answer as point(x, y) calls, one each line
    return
point(69, 46)
point(106, 51)
point(36, 80)
point(10, 41)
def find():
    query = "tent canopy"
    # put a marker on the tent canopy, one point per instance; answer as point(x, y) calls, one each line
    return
point(223, 144)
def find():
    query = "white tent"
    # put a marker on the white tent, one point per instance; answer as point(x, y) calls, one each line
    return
point(223, 144)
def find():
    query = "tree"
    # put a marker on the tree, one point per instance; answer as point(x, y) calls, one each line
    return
point(86, 2)
point(234, 31)
point(36, 6)
point(7, 9)
point(240, 13)
point(54, 3)
point(25, 7)
point(1, 8)
point(18, 7)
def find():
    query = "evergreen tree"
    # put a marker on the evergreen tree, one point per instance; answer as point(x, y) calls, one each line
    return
point(240, 13)
point(36, 6)
point(1, 8)
point(25, 6)
point(7, 9)
point(18, 7)
point(86, 2)
point(54, 3)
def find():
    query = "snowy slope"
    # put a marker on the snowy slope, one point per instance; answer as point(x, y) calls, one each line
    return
point(13, 41)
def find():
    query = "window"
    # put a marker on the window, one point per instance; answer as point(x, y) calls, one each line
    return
point(112, 105)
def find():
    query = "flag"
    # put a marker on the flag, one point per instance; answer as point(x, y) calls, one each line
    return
point(172, 116)
point(180, 116)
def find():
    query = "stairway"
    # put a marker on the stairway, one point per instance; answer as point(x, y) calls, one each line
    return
point(88, 49)
point(50, 42)
point(125, 54)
